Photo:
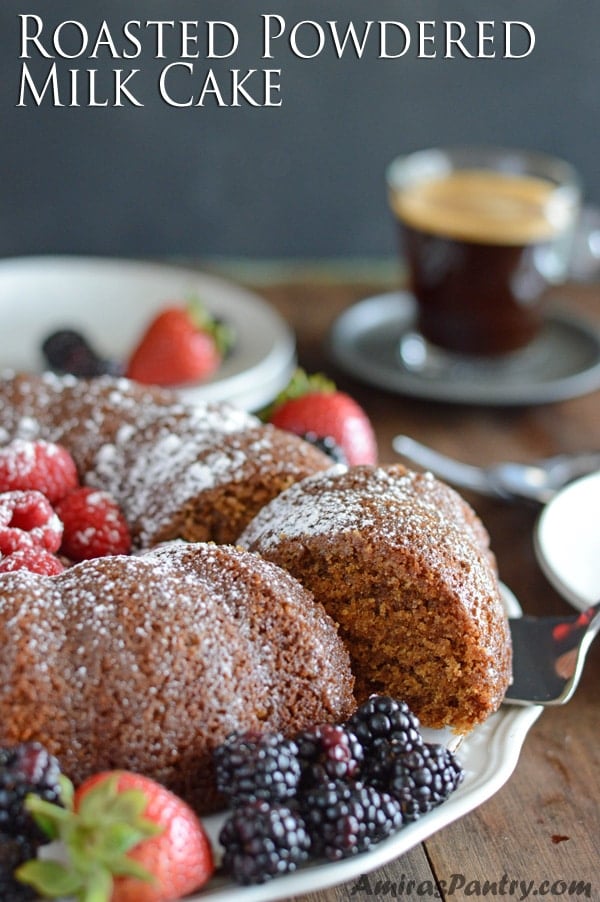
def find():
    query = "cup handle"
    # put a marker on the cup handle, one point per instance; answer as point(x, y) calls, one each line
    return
point(585, 254)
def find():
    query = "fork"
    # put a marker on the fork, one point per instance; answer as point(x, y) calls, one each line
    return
point(538, 481)
point(548, 656)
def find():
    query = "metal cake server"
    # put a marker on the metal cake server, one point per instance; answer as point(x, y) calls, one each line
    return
point(548, 656)
point(538, 481)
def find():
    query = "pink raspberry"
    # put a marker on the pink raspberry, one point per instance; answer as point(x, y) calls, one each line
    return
point(27, 520)
point(94, 525)
point(37, 560)
point(39, 465)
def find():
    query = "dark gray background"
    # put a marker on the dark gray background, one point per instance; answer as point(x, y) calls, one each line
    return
point(304, 180)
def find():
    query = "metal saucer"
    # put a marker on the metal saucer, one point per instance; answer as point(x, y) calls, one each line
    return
point(375, 341)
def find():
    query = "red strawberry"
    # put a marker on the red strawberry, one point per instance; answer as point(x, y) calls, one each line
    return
point(93, 525)
point(126, 838)
point(182, 344)
point(312, 407)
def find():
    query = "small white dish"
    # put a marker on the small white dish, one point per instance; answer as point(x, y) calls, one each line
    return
point(112, 301)
point(567, 541)
point(369, 339)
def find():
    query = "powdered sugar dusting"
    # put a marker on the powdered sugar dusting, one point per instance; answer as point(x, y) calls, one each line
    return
point(393, 510)
point(153, 454)
point(145, 662)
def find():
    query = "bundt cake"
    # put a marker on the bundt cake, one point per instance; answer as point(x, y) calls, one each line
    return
point(403, 565)
point(177, 471)
point(147, 662)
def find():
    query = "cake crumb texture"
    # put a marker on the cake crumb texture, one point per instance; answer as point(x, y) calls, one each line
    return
point(403, 564)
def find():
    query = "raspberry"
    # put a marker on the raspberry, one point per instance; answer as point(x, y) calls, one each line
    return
point(251, 766)
point(27, 521)
point(328, 752)
point(383, 719)
point(37, 560)
point(39, 465)
point(344, 818)
point(26, 768)
point(263, 841)
point(420, 779)
point(93, 525)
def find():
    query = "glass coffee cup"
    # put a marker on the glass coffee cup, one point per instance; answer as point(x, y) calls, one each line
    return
point(484, 232)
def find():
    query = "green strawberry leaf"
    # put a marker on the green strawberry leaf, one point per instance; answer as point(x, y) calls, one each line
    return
point(127, 806)
point(99, 888)
point(129, 867)
point(222, 332)
point(116, 839)
point(96, 801)
point(96, 839)
point(47, 815)
point(49, 878)
point(67, 791)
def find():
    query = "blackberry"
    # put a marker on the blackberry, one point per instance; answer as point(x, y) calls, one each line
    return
point(251, 766)
point(67, 351)
point(262, 841)
point(14, 851)
point(420, 779)
point(345, 818)
point(383, 719)
point(327, 752)
point(26, 768)
point(327, 444)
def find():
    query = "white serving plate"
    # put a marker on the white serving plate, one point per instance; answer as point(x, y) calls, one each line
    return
point(112, 301)
point(488, 756)
point(567, 541)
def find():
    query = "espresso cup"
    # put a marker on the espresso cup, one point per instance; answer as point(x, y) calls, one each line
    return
point(484, 232)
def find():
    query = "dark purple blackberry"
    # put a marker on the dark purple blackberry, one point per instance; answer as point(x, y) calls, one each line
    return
point(67, 351)
point(251, 766)
point(262, 841)
point(420, 779)
point(345, 818)
point(382, 718)
point(14, 851)
point(328, 445)
point(26, 768)
point(327, 752)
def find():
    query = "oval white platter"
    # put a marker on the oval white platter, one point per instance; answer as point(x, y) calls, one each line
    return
point(112, 301)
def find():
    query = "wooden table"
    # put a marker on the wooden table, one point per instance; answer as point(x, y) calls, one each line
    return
point(544, 824)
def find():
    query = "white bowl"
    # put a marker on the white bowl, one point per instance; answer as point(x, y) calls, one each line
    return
point(112, 301)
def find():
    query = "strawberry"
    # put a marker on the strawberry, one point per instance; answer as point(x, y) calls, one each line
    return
point(126, 839)
point(312, 407)
point(181, 344)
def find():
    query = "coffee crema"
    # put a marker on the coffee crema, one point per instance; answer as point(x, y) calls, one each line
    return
point(484, 207)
